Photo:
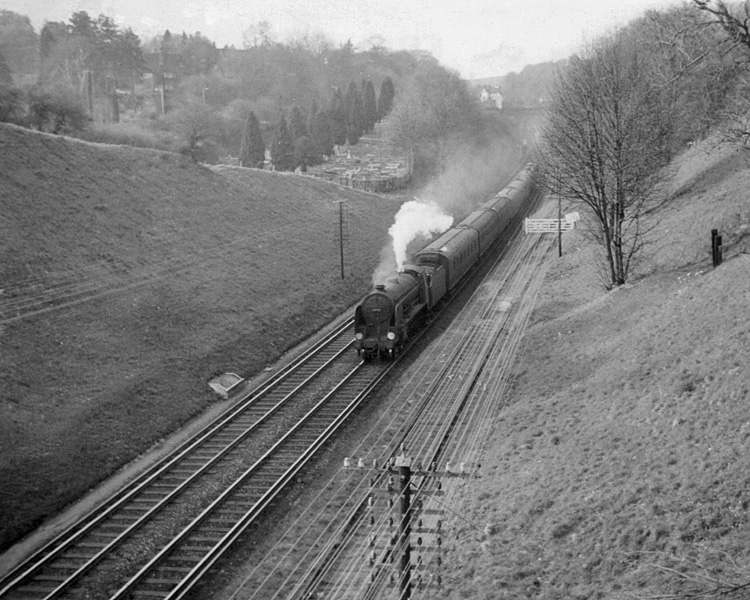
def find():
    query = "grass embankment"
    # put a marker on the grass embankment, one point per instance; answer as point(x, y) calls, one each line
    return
point(620, 467)
point(146, 274)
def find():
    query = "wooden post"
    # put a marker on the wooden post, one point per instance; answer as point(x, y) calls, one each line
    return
point(559, 225)
point(341, 235)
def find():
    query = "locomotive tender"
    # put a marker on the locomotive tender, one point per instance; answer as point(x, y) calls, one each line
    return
point(394, 310)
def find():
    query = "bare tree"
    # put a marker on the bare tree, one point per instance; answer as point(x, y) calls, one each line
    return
point(607, 134)
point(692, 60)
point(734, 20)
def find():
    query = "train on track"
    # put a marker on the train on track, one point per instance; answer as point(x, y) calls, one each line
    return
point(389, 316)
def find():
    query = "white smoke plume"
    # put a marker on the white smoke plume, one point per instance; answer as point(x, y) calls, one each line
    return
point(416, 218)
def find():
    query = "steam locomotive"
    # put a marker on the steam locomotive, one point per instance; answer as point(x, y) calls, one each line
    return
point(398, 308)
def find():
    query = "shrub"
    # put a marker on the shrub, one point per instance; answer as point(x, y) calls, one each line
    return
point(55, 112)
point(130, 134)
point(12, 109)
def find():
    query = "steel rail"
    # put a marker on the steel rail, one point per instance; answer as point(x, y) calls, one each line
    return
point(326, 417)
point(55, 549)
point(346, 534)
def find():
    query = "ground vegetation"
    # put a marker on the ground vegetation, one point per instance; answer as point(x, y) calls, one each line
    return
point(620, 109)
point(616, 468)
point(130, 277)
point(124, 83)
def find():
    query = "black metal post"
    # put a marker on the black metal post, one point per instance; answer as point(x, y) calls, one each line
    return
point(716, 253)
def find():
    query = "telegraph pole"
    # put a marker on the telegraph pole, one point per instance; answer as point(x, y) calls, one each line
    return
point(559, 214)
point(404, 527)
point(559, 225)
point(341, 235)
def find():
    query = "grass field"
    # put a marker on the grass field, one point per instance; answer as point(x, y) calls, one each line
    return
point(619, 469)
point(129, 279)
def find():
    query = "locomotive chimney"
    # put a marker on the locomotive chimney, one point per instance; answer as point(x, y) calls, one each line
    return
point(380, 286)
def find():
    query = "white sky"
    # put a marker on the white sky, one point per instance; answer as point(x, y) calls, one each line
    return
point(479, 38)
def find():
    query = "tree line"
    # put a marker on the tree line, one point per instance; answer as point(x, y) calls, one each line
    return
point(627, 103)
point(303, 140)
point(89, 70)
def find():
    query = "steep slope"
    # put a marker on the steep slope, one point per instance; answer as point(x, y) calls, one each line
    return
point(619, 467)
point(128, 278)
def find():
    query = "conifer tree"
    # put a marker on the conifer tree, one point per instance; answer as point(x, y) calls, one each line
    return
point(310, 116)
point(385, 100)
point(369, 107)
point(338, 117)
point(321, 134)
point(304, 153)
point(282, 150)
point(6, 77)
point(297, 125)
point(252, 147)
point(353, 114)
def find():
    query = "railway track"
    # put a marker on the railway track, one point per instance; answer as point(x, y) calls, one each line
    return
point(161, 532)
point(165, 530)
point(442, 430)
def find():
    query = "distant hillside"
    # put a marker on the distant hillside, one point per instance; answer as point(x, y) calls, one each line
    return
point(129, 278)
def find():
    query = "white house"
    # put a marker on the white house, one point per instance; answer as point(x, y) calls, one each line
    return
point(492, 93)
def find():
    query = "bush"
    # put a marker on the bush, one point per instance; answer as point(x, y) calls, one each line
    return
point(55, 112)
point(12, 105)
point(130, 134)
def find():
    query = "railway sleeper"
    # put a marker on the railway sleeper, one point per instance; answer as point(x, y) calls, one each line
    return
point(56, 578)
point(113, 527)
point(184, 472)
point(64, 566)
point(36, 588)
point(159, 487)
point(196, 548)
point(173, 480)
point(263, 482)
point(204, 537)
point(75, 557)
point(231, 433)
point(203, 460)
point(187, 556)
point(129, 513)
point(196, 458)
point(96, 541)
point(232, 516)
point(159, 585)
point(150, 593)
point(214, 527)
point(250, 495)
point(212, 446)
point(179, 570)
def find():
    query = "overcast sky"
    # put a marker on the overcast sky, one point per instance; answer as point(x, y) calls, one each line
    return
point(479, 38)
